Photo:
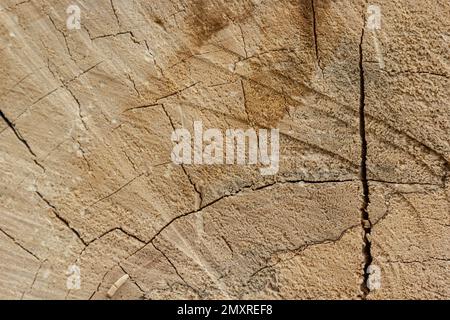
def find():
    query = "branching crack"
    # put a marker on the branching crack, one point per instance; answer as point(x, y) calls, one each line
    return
point(116, 264)
point(65, 84)
point(98, 286)
point(245, 188)
point(128, 234)
point(194, 185)
point(88, 243)
point(153, 58)
point(60, 217)
point(34, 279)
point(64, 36)
point(175, 269)
point(300, 249)
point(248, 187)
point(133, 280)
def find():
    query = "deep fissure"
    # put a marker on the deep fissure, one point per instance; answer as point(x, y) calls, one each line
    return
point(365, 219)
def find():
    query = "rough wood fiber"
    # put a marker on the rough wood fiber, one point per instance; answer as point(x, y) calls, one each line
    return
point(88, 187)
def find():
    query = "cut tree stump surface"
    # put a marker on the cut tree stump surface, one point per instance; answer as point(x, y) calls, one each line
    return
point(359, 208)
